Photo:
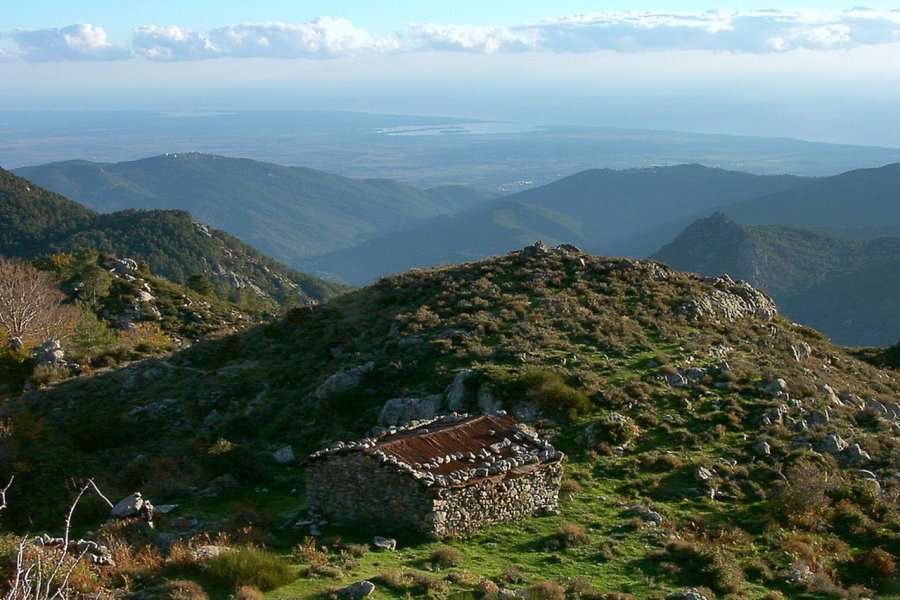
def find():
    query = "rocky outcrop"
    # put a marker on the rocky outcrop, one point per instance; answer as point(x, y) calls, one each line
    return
point(731, 301)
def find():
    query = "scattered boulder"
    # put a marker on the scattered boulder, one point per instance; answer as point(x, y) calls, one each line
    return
point(132, 506)
point(456, 392)
point(801, 351)
point(762, 448)
point(486, 401)
point(284, 456)
point(49, 353)
point(777, 386)
point(383, 543)
point(650, 516)
point(343, 381)
point(360, 589)
point(688, 594)
point(398, 411)
point(834, 444)
point(857, 455)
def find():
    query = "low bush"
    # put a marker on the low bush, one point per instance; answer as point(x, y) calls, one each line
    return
point(546, 590)
point(446, 556)
point(250, 566)
point(569, 535)
point(701, 563)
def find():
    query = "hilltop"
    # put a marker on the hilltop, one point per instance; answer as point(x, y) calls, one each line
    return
point(711, 442)
point(35, 222)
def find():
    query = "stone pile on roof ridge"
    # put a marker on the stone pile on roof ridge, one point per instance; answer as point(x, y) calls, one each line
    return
point(523, 448)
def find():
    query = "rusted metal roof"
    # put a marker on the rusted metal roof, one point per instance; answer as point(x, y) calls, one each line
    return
point(457, 446)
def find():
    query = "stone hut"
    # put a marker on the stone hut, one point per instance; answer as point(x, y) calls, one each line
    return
point(449, 476)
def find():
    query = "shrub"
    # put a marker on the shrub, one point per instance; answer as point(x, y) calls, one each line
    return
point(184, 589)
point(802, 496)
point(569, 486)
point(446, 556)
point(546, 590)
point(548, 390)
point(615, 429)
point(873, 566)
point(699, 563)
point(570, 535)
point(250, 566)
point(487, 588)
point(513, 574)
point(248, 592)
point(661, 462)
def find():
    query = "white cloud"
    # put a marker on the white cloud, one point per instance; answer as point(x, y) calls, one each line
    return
point(468, 38)
point(81, 41)
point(171, 43)
point(742, 31)
point(325, 37)
point(752, 31)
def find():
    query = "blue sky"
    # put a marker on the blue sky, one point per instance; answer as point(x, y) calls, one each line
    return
point(825, 70)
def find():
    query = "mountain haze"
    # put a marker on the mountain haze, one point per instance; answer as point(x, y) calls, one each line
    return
point(845, 287)
point(35, 222)
point(285, 212)
point(595, 209)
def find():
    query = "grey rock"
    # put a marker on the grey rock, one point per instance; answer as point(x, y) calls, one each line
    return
point(857, 455)
point(127, 507)
point(284, 456)
point(398, 411)
point(383, 543)
point(687, 594)
point(730, 301)
point(456, 391)
point(486, 401)
point(762, 448)
point(801, 351)
point(343, 381)
point(360, 589)
point(834, 444)
point(776, 386)
point(49, 353)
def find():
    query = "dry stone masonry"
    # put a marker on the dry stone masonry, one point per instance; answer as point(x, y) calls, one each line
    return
point(448, 476)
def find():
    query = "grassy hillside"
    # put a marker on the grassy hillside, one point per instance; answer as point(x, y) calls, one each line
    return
point(285, 212)
point(35, 222)
point(710, 442)
point(840, 285)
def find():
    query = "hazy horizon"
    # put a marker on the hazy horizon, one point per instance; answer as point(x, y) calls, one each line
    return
point(829, 73)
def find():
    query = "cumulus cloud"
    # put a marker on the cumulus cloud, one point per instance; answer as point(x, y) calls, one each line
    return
point(81, 41)
point(171, 43)
point(325, 37)
point(742, 31)
point(735, 31)
point(469, 38)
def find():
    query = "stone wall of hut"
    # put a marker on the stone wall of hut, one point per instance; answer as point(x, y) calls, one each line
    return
point(354, 489)
point(463, 511)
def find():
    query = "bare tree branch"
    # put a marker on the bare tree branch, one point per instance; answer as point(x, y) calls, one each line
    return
point(32, 307)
